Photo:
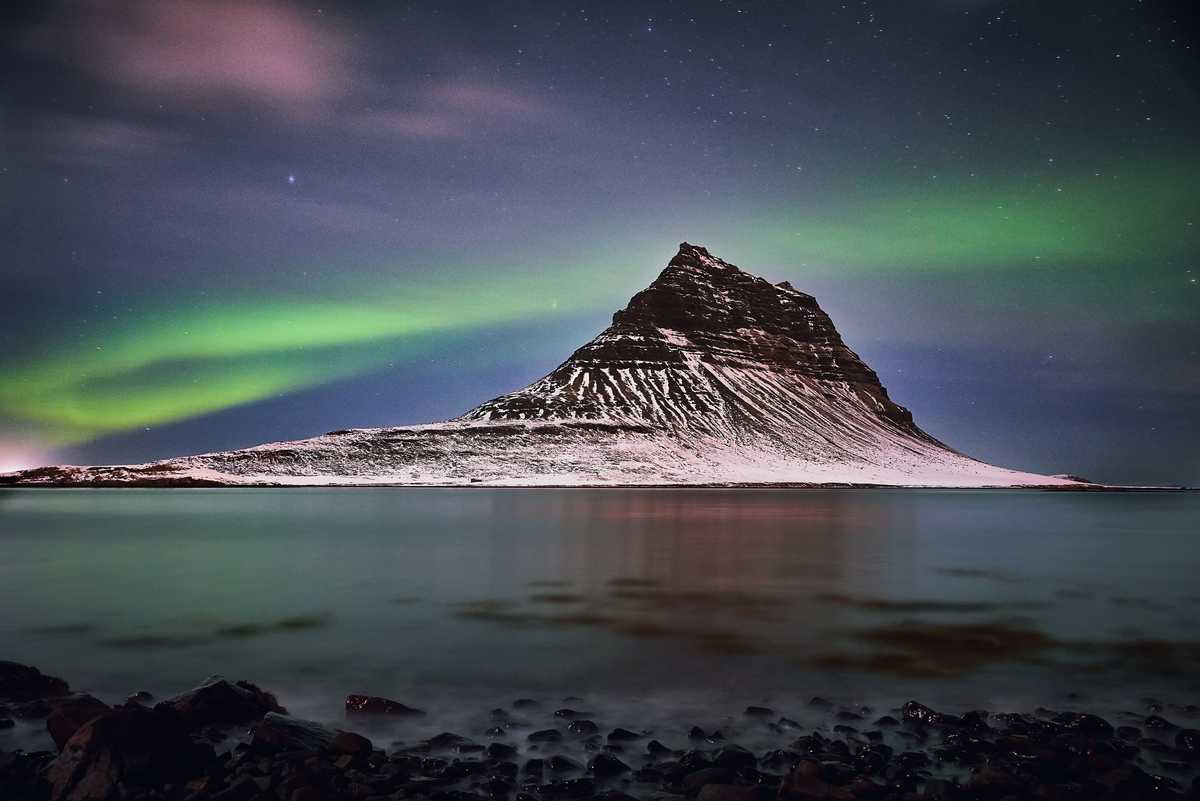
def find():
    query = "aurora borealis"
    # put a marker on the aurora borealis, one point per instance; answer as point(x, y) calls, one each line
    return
point(234, 222)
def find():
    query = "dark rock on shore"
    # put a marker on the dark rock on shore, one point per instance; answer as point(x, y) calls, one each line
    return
point(218, 702)
point(140, 749)
point(70, 713)
point(135, 753)
point(21, 683)
point(376, 705)
point(282, 733)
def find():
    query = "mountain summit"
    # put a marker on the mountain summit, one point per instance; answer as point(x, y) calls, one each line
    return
point(705, 348)
point(710, 375)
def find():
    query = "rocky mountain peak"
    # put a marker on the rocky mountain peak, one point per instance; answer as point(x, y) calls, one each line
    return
point(699, 315)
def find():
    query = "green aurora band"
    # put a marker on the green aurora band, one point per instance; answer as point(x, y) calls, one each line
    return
point(1113, 227)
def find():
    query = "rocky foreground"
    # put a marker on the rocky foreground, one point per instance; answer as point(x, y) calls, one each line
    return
point(233, 741)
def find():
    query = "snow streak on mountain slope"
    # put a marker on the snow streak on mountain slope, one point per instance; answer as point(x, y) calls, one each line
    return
point(709, 376)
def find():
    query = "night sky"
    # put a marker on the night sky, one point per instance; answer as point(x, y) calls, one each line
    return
point(225, 223)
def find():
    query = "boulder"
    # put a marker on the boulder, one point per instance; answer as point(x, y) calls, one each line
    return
point(805, 783)
point(377, 705)
point(21, 683)
point(115, 754)
point(70, 712)
point(733, 792)
point(278, 732)
point(219, 702)
point(605, 764)
point(348, 742)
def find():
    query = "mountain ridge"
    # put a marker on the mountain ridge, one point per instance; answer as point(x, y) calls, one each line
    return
point(709, 375)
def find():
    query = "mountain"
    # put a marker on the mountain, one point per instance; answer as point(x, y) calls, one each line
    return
point(709, 376)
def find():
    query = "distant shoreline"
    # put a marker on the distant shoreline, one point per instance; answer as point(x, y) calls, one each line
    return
point(202, 484)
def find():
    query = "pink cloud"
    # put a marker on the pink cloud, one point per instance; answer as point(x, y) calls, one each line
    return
point(454, 110)
point(98, 141)
point(259, 49)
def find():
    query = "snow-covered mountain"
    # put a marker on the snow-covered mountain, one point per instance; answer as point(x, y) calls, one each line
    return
point(709, 376)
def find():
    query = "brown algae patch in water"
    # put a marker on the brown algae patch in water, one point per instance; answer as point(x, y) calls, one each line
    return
point(294, 623)
point(978, 573)
point(633, 582)
point(945, 650)
point(556, 598)
point(872, 604)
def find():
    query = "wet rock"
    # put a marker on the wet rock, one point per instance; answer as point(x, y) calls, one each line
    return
point(70, 712)
point(759, 712)
point(1129, 732)
point(734, 757)
point(789, 724)
point(131, 747)
point(887, 721)
point(583, 726)
point(222, 703)
point(570, 788)
point(141, 697)
point(693, 781)
point(496, 731)
point(779, 759)
point(733, 792)
point(501, 751)
point(696, 733)
point(566, 714)
point(545, 736)
point(656, 749)
point(525, 703)
point(805, 783)
point(817, 702)
point(562, 764)
point(1085, 725)
point(605, 764)
point(22, 775)
point(914, 712)
point(1188, 741)
point(613, 795)
point(534, 768)
point(622, 735)
point(7, 723)
point(348, 742)
point(445, 741)
point(278, 732)
point(1157, 722)
point(378, 705)
point(21, 683)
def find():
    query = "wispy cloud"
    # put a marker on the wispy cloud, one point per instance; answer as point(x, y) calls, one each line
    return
point(262, 50)
point(76, 140)
point(453, 110)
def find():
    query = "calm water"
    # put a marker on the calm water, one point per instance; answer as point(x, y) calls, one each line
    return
point(651, 603)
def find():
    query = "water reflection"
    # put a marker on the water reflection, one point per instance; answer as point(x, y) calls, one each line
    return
point(317, 592)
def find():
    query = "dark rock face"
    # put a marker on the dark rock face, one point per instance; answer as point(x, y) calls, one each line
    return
point(376, 705)
point(21, 683)
point(700, 309)
point(220, 702)
point(70, 713)
point(129, 748)
point(282, 733)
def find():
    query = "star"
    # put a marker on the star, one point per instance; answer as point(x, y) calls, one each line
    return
point(291, 179)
